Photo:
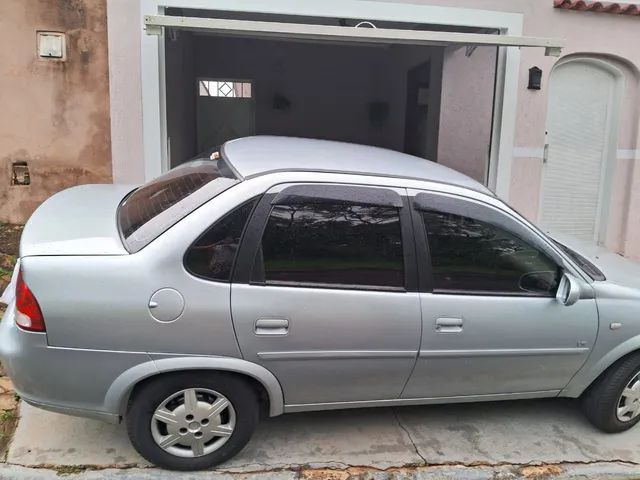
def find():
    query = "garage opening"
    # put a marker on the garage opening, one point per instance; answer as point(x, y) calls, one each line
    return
point(434, 101)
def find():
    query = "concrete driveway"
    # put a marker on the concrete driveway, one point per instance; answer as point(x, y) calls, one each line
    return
point(488, 434)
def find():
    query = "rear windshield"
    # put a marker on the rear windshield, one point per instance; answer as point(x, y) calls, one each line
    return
point(154, 207)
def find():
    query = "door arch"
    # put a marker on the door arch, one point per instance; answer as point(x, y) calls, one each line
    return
point(582, 131)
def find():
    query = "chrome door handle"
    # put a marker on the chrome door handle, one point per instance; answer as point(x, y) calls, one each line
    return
point(449, 325)
point(272, 326)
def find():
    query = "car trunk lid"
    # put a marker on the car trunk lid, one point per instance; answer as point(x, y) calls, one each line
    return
point(77, 221)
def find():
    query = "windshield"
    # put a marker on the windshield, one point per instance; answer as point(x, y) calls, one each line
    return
point(154, 207)
point(588, 267)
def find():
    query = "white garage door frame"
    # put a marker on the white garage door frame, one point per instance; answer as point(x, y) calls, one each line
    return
point(509, 24)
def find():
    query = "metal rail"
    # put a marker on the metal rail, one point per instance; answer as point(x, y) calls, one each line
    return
point(155, 23)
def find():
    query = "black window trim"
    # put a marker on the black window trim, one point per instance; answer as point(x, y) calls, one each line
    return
point(212, 225)
point(246, 257)
point(458, 205)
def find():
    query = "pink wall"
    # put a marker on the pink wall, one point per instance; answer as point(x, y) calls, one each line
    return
point(466, 110)
point(607, 37)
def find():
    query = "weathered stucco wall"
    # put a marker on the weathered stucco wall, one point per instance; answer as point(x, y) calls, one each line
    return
point(55, 114)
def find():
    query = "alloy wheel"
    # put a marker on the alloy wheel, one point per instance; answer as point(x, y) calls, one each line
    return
point(193, 422)
point(629, 401)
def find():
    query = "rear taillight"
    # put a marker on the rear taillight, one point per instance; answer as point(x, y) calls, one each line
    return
point(28, 313)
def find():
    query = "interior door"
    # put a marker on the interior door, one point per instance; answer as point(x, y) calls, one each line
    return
point(225, 111)
point(491, 322)
point(324, 292)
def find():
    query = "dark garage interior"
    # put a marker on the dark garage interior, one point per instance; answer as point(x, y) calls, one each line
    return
point(400, 97)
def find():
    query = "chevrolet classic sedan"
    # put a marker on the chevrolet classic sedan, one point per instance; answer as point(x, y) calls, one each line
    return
point(287, 275)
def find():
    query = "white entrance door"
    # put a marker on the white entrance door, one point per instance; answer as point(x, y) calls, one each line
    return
point(580, 136)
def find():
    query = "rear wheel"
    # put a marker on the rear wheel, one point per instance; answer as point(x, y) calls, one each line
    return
point(613, 403)
point(192, 421)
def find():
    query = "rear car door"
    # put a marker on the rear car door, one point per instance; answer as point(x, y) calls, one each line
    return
point(491, 322)
point(324, 293)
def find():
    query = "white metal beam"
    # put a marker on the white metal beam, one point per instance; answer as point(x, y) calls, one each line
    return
point(154, 24)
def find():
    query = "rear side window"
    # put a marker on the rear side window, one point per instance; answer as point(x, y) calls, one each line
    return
point(471, 256)
point(213, 254)
point(329, 244)
point(154, 207)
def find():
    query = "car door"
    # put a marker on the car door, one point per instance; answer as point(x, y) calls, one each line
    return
point(324, 293)
point(491, 321)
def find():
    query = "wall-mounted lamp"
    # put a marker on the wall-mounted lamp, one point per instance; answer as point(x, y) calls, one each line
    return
point(535, 78)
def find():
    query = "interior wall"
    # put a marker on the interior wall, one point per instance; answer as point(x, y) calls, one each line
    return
point(466, 110)
point(336, 91)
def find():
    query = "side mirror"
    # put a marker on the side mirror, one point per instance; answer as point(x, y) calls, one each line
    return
point(568, 290)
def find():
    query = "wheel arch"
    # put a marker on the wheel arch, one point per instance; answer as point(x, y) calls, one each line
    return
point(591, 372)
point(120, 390)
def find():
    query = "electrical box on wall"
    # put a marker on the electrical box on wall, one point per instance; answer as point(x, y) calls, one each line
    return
point(20, 174)
point(51, 45)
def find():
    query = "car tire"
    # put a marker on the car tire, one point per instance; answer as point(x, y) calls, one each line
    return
point(183, 402)
point(601, 402)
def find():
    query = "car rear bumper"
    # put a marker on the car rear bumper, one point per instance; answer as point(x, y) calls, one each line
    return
point(65, 380)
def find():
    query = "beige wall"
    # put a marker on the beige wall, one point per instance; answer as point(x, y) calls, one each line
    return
point(125, 90)
point(55, 114)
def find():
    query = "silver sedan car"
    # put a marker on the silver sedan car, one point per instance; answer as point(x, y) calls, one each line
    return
point(288, 275)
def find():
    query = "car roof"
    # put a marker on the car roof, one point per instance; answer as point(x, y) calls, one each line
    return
point(259, 155)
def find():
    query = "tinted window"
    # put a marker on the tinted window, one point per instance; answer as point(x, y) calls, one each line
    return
point(159, 204)
point(469, 255)
point(213, 254)
point(333, 243)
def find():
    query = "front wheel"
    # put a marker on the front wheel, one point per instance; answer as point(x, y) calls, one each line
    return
point(613, 403)
point(192, 421)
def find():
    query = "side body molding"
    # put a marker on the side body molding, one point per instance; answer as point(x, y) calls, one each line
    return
point(118, 394)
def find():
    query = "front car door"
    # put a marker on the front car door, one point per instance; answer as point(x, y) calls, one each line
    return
point(324, 293)
point(491, 322)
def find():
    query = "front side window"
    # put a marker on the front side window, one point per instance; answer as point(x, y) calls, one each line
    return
point(470, 255)
point(332, 244)
point(213, 254)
